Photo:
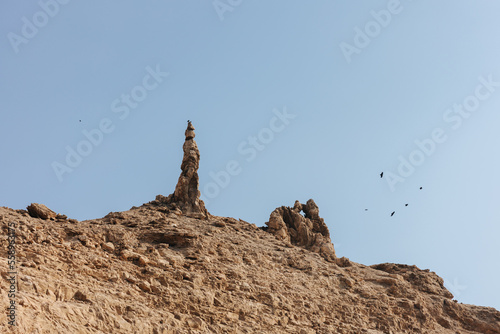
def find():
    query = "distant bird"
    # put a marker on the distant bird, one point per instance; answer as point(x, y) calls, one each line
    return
point(406, 204)
point(381, 174)
point(366, 209)
point(420, 188)
point(393, 212)
point(80, 121)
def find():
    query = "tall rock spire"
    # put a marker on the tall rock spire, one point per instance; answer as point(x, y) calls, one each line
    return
point(187, 195)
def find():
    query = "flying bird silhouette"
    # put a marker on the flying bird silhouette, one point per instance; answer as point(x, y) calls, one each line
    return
point(393, 212)
point(381, 174)
point(406, 204)
point(420, 188)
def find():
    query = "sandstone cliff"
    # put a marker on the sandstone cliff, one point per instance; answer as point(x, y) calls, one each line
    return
point(169, 266)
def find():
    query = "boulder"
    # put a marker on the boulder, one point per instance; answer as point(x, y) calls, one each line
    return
point(36, 210)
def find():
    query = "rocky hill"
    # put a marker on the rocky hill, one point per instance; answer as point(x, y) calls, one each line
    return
point(169, 266)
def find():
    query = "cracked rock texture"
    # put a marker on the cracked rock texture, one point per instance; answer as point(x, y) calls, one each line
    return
point(150, 270)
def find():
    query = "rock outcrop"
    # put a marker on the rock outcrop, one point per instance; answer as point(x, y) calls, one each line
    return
point(186, 197)
point(40, 211)
point(309, 231)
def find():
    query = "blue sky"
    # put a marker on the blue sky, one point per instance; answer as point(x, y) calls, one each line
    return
point(356, 87)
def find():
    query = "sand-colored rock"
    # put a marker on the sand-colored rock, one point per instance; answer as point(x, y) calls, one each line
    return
point(181, 274)
point(40, 211)
point(186, 198)
point(170, 267)
point(309, 231)
point(187, 195)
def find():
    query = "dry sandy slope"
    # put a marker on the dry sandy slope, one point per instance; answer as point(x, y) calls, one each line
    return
point(148, 270)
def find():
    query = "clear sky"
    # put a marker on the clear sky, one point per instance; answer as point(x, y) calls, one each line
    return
point(291, 100)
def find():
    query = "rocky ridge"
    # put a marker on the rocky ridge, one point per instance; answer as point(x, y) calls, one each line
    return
point(169, 266)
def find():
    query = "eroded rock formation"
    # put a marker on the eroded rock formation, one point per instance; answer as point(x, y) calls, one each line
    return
point(309, 231)
point(186, 197)
point(36, 210)
point(158, 269)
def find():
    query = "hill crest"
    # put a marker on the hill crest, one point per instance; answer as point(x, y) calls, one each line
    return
point(169, 266)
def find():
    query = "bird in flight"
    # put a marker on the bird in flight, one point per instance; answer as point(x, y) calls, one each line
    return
point(381, 174)
point(420, 188)
point(80, 121)
point(393, 212)
point(406, 204)
point(366, 209)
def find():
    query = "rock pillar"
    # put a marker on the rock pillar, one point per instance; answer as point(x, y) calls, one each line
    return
point(186, 196)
